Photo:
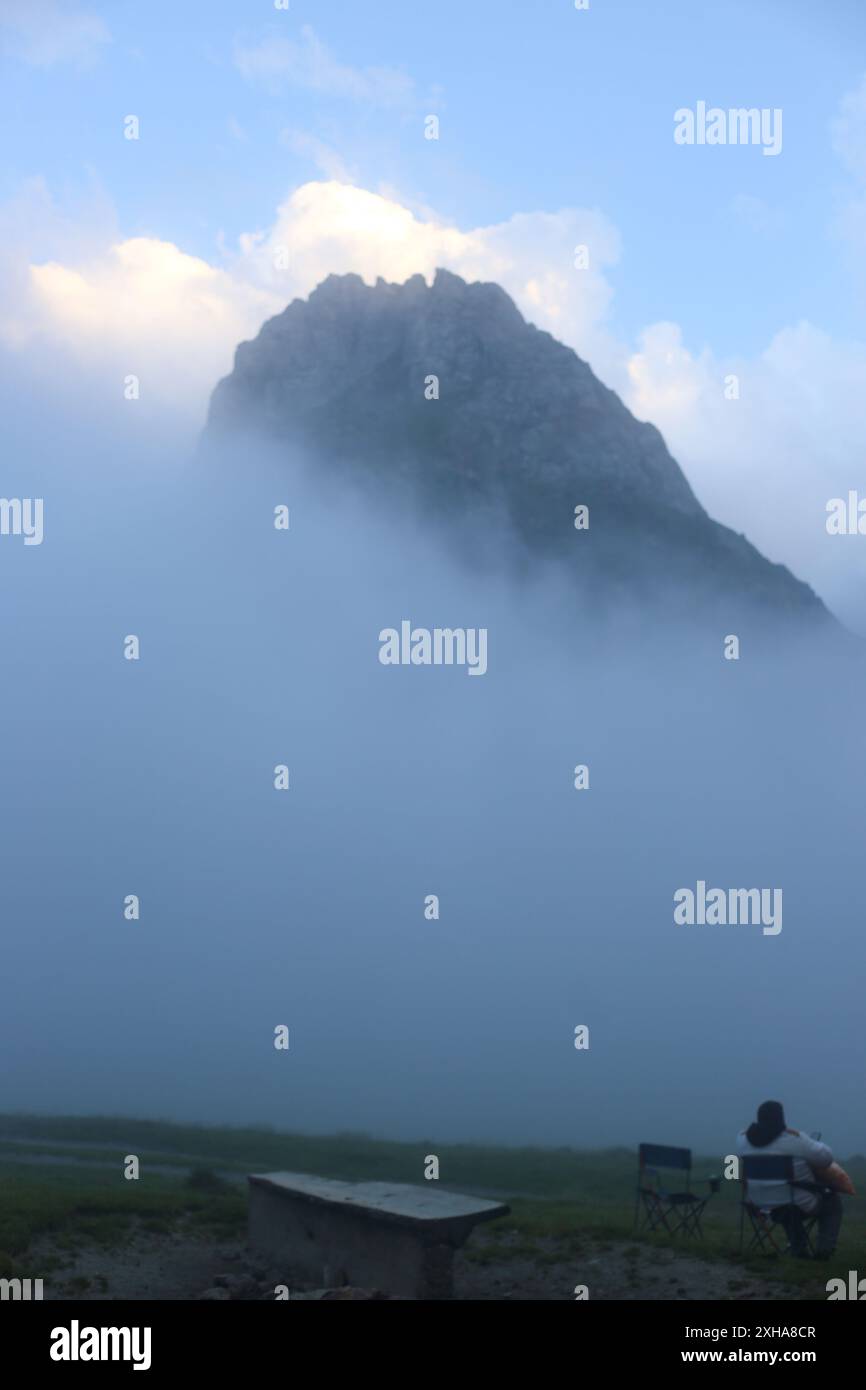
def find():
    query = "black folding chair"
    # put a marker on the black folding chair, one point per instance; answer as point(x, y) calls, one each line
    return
point(656, 1206)
point(765, 1221)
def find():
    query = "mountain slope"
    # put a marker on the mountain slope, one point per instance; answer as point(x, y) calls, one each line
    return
point(522, 430)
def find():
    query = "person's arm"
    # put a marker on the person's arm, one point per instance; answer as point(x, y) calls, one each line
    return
point(817, 1155)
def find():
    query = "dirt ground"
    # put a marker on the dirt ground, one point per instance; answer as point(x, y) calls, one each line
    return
point(609, 1270)
point(184, 1267)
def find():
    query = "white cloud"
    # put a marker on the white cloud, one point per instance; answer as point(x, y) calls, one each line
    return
point(44, 33)
point(326, 228)
point(139, 306)
point(848, 135)
point(310, 65)
point(767, 463)
point(177, 318)
point(848, 131)
point(326, 159)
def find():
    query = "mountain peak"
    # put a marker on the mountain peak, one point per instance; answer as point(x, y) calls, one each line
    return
point(445, 392)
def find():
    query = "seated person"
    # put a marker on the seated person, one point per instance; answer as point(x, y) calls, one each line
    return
point(769, 1135)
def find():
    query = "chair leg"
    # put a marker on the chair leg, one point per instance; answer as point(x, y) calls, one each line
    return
point(656, 1214)
point(763, 1236)
point(696, 1223)
point(808, 1229)
point(796, 1229)
point(742, 1219)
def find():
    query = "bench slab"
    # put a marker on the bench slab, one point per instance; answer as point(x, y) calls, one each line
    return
point(392, 1236)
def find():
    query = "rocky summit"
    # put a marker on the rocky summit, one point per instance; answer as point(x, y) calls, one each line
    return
point(444, 397)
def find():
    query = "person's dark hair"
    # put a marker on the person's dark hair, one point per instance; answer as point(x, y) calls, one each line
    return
point(769, 1125)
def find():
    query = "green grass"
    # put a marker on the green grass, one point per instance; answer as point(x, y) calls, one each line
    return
point(560, 1199)
point(78, 1206)
point(355, 1157)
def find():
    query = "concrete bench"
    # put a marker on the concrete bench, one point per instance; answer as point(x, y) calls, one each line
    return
point(390, 1236)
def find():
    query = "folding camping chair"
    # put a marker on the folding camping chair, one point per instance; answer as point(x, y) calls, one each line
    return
point(796, 1224)
point(656, 1207)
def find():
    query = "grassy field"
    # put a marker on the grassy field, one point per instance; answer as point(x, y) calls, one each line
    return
point(63, 1177)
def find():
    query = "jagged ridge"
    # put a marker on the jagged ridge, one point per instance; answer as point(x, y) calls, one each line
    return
point(521, 422)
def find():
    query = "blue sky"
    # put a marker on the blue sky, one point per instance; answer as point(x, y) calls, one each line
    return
point(556, 126)
point(541, 107)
